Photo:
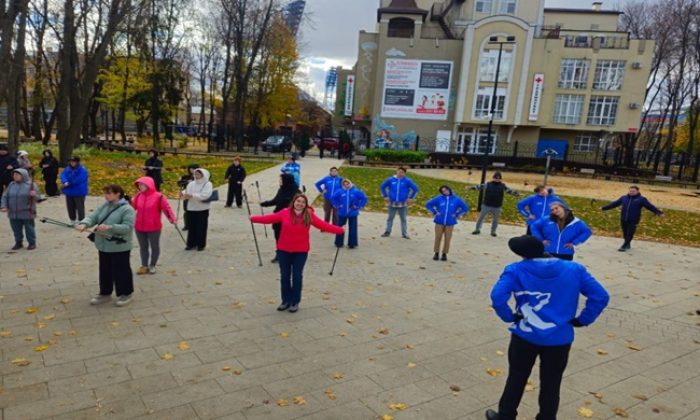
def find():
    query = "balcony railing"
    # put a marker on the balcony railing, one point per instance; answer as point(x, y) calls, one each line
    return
point(587, 39)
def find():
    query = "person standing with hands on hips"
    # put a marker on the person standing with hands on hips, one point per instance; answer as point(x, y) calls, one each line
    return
point(235, 175)
point(631, 213)
point(328, 186)
point(348, 201)
point(74, 180)
point(546, 292)
point(398, 191)
point(293, 246)
point(294, 169)
point(536, 206)
point(446, 208)
point(561, 232)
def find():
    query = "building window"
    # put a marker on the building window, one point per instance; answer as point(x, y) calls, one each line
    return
point(483, 6)
point(585, 142)
point(488, 62)
point(482, 109)
point(506, 7)
point(602, 110)
point(609, 74)
point(568, 109)
point(474, 141)
point(401, 28)
point(573, 73)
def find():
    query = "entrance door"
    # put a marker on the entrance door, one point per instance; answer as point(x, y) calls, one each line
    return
point(464, 141)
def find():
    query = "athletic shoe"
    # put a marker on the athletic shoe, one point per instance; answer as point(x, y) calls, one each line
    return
point(152, 269)
point(293, 308)
point(123, 300)
point(444, 257)
point(227, 207)
point(200, 248)
point(189, 248)
point(405, 236)
point(142, 270)
point(352, 247)
point(283, 307)
point(185, 228)
point(97, 299)
point(274, 260)
point(16, 247)
point(31, 246)
point(622, 249)
point(492, 415)
point(493, 234)
point(436, 256)
point(385, 234)
point(476, 232)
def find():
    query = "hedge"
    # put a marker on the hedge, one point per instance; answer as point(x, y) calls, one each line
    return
point(382, 155)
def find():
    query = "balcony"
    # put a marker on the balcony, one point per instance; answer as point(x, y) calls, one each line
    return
point(589, 39)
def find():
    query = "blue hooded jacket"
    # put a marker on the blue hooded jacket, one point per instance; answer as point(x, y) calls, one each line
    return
point(349, 202)
point(576, 231)
point(537, 205)
point(330, 185)
point(546, 292)
point(631, 211)
point(398, 190)
point(293, 169)
point(77, 179)
point(446, 208)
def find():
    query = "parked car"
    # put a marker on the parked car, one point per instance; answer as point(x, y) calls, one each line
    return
point(277, 144)
point(330, 143)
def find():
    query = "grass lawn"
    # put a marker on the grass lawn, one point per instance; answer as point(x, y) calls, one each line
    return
point(124, 168)
point(676, 227)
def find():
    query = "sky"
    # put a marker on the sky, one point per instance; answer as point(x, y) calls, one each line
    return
point(329, 35)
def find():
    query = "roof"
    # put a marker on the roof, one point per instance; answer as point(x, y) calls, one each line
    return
point(402, 7)
point(582, 11)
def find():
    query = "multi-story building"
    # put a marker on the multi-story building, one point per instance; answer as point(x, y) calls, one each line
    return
point(567, 79)
point(293, 13)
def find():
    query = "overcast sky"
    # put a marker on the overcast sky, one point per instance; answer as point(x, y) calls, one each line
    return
point(329, 35)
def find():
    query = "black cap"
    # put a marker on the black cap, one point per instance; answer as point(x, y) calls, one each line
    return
point(74, 158)
point(527, 246)
point(497, 175)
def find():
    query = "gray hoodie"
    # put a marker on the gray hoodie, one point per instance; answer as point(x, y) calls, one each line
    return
point(17, 199)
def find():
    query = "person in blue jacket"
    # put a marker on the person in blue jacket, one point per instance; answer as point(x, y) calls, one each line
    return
point(294, 169)
point(348, 201)
point(74, 182)
point(446, 208)
point(561, 232)
point(398, 191)
point(546, 292)
point(631, 213)
point(536, 206)
point(328, 186)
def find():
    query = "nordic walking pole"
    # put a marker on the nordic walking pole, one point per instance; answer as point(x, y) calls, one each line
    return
point(262, 212)
point(255, 238)
point(337, 250)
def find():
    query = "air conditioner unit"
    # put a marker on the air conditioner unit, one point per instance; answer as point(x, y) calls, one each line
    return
point(634, 105)
point(636, 65)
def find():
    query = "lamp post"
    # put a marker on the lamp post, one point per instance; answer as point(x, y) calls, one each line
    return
point(494, 40)
point(549, 153)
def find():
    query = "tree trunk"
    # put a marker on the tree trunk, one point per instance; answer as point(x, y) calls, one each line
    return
point(14, 81)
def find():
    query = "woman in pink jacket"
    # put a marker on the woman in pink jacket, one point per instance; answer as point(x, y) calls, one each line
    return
point(293, 245)
point(149, 204)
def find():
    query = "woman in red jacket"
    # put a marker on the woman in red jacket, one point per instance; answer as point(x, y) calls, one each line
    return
point(149, 204)
point(293, 245)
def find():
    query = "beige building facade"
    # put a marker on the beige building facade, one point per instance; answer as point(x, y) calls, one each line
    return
point(569, 78)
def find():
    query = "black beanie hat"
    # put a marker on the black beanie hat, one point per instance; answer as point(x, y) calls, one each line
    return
point(497, 175)
point(527, 246)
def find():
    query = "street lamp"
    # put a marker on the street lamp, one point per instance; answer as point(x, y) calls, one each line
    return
point(494, 40)
point(549, 153)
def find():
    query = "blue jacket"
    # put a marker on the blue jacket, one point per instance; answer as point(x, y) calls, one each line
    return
point(349, 202)
point(546, 292)
point(537, 206)
point(632, 207)
point(446, 209)
point(77, 179)
point(295, 170)
point(398, 190)
point(330, 185)
point(575, 231)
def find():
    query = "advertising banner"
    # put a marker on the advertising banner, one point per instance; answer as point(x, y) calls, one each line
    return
point(537, 85)
point(416, 89)
point(349, 94)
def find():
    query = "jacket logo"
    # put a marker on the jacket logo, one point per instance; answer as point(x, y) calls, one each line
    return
point(536, 301)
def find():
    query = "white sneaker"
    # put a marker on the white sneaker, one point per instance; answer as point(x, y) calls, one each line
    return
point(152, 269)
point(97, 299)
point(123, 300)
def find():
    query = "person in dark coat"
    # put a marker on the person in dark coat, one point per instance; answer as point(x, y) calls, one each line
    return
point(285, 194)
point(8, 164)
point(153, 167)
point(49, 170)
point(631, 213)
point(493, 202)
point(182, 183)
point(235, 175)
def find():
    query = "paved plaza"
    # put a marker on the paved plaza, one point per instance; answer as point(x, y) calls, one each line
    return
point(392, 332)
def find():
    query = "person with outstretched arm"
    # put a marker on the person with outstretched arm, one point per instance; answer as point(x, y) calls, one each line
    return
point(398, 191)
point(536, 206)
point(631, 213)
point(235, 175)
point(494, 191)
point(285, 194)
point(546, 292)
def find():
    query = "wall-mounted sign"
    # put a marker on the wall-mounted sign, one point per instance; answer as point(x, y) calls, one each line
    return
point(349, 94)
point(537, 85)
point(416, 89)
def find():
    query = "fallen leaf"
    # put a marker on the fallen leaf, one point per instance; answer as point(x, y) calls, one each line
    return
point(409, 346)
point(115, 324)
point(41, 347)
point(20, 361)
point(167, 356)
point(337, 375)
point(237, 372)
point(343, 334)
point(597, 395)
point(284, 334)
point(455, 388)
point(49, 317)
point(585, 412)
point(634, 347)
point(640, 397)
point(494, 371)
point(282, 403)
point(387, 417)
point(226, 368)
point(349, 320)
point(72, 332)
point(483, 359)
point(330, 394)
point(183, 345)
point(299, 400)
point(500, 353)
point(529, 387)
point(5, 334)
point(411, 365)
point(65, 301)
point(31, 310)
point(237, 305)
point(397, 406)
point(29, 338)
point(384, 331)
point(602, 352)
point(620, 412)
point(41, 325)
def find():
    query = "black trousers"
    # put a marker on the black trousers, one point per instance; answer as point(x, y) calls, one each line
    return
point(197, 232)
point(115, 273)
point(628, 229)
point(50, 185)
point(568, 257)
point(521, 358)
point(186, 215)
point(234, 190)
point(76, 208)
